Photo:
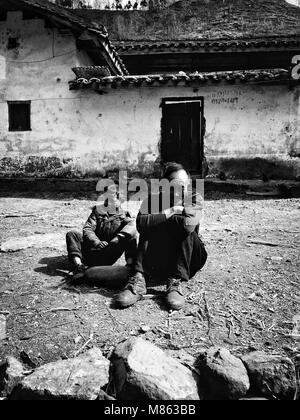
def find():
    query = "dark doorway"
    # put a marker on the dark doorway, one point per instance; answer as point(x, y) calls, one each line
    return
point(183, 132)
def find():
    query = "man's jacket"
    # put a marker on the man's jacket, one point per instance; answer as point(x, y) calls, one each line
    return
point(104, 226)
point(149, 223)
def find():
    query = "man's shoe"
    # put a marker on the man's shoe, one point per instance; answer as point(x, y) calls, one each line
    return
point(174, 297)
point(79, 268)
point(133, 292)
point(78, 274)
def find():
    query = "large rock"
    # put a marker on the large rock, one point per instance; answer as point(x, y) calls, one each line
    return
point(49, 240)
point(11, 374)
point(80, 378)
point(142, 371)
point(271, 376)
point(223, 376)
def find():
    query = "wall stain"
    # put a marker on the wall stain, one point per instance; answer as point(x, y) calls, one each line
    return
point(80, 167)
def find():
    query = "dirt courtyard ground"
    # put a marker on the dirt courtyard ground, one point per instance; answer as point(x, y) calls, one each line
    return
point(245, 298)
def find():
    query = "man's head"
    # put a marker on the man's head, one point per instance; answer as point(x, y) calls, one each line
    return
point(112, 202)
point(179, 177)
point(176, 172)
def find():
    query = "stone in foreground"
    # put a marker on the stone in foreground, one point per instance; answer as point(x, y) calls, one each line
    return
point(142, 371)
point(80, 378)
point(50, 240)
point(223, 376)
point(271, 376)
point(11, 374)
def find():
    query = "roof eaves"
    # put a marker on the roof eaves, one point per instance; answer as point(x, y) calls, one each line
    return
point(273, 75)
point(209, 45)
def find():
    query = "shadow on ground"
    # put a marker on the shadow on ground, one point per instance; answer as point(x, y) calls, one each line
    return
point(59, 267)
point(53, 265)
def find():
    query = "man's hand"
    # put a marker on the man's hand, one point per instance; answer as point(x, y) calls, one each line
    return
point(102, 245)
point(117, 239)
point(174, 210)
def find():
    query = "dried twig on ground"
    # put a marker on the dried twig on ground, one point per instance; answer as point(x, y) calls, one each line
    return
point(59, 325)
point(257, 242)
point(14, 215)
point(25, 314)
point(207, 309)
point(208, 315)
point(165, 334)
point(291, 231)
point(60, 310)
point(29, 337)
point(179, 318)
point(234, 316)
point(230, 326)
point(273, 396)
point(115, 321)
point(192, 368)
point(84, 345)
point(272, 326)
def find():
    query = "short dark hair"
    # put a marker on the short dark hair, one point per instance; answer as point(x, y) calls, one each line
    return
point(171, 167)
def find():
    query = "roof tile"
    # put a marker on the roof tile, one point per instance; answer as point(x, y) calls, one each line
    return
point(196, 77)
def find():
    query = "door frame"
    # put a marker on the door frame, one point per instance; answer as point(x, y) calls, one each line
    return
point(186, 99)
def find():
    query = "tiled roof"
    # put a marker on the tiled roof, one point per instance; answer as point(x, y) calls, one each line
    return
point(202, 20)
point(292, 42)
point(81, 23)
point(91, 71)
point(274, 75)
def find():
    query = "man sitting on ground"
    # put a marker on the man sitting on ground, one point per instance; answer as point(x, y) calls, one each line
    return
point(169, 246)
point(107, 234)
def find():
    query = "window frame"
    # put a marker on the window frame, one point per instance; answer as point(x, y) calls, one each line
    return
point(10, 118)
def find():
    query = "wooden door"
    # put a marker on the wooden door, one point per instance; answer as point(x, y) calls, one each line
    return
point(182, 132)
